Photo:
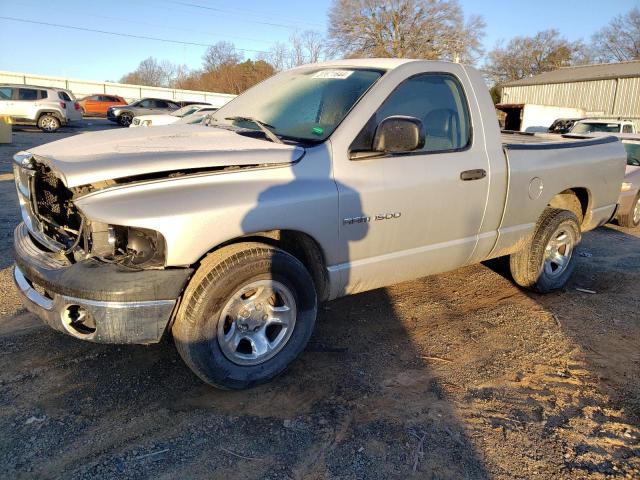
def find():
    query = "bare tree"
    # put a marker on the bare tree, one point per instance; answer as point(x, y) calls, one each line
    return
point(278, 56)
point(157, 74)
point(430, 29)
point(221, 53)
point(620, 40)
point(304, 47)
point(525, 56)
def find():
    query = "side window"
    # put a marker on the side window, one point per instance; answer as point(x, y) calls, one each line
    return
point(6, 93)
point(27, 94)
point(95, 98)
point(438, 101)
point(627, 129)
point(145, 104)
point(42, 94)
point(161, 104)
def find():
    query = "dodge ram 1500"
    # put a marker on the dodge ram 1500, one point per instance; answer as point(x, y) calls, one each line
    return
point(322, 181)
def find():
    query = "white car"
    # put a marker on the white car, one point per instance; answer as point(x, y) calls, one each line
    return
point(603, 125)
point(166, 119)
point(48, 108)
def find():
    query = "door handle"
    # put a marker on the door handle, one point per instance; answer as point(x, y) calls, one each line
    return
point(476, 174)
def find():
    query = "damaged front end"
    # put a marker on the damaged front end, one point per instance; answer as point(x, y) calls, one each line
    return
point(95, 281)
point(49, 212)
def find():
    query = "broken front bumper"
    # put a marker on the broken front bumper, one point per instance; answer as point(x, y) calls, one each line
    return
point(93, 300)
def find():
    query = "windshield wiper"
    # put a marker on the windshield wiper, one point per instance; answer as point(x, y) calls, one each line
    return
point(265, 127)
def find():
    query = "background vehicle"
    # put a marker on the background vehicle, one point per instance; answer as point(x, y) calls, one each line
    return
point(322, 181)
point(173, 117)
point(48, 108)
point(603, 125)
point(146, 106)
point(562, 125)
point(99, 104)
point(628, 213)
point(534, 118)
point(184, 103)
point(199, 116)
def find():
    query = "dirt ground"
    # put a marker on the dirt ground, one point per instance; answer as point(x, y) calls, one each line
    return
point(457, 376)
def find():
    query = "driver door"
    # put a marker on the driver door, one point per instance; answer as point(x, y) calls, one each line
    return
point(407, 215)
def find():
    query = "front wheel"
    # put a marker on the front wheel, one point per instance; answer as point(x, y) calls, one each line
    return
point(247, 313)
point(125, 119)
point(547, 260)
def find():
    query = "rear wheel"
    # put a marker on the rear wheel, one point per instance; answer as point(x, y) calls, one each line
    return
point(631, 219)
point(125, 119)
point(247, 313)
point(547, 261)
point(48, 123)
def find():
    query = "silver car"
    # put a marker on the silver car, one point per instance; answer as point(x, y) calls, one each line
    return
point(629, 202)
point(123, 114)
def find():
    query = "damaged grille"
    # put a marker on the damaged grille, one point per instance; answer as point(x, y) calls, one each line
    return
point(53, 207)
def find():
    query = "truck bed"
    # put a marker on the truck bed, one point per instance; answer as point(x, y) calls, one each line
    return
point(533, 141)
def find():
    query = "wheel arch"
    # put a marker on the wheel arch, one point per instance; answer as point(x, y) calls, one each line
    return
point(576, 200)
point(297, 243)
point(53, 112)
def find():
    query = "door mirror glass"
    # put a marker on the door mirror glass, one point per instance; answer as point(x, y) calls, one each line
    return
point(399, 134)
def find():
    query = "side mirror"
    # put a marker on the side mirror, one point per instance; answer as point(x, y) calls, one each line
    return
point(399, 134)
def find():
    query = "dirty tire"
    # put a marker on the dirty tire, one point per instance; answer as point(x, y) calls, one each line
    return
point(220, 276)
point(125, 119)
point(48, 123)
point(627, 220)
point(527, 264)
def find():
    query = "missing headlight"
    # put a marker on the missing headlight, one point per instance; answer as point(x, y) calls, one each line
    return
point(130, 246)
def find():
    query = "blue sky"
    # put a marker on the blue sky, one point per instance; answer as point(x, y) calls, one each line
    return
point(252, 25)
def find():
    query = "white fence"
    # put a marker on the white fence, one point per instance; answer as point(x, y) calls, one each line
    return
point(81, 88)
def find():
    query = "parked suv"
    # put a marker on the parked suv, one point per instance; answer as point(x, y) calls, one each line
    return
point(146, 106)
point(99, 104)
point(48, 108)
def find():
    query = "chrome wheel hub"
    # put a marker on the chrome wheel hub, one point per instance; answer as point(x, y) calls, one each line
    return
point(558, 252)
point(636, 212)
point(256, 322)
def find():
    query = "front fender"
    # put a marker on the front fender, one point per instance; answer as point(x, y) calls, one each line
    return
point(196, 213)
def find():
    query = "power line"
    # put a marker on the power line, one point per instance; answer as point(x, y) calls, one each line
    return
point(139, 22)
point(239, 12)
point(117, 34)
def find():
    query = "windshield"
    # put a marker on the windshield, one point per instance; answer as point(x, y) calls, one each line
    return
point(633, 153)
point(302, 104)
point(589, 127)
point(184, 111)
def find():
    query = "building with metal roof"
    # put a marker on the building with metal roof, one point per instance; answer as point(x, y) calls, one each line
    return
point(611, 90)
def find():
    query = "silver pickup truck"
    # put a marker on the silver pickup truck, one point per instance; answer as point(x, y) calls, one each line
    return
point(323, 181)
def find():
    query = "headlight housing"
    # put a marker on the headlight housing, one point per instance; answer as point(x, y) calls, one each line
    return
point(128, 246)
point(145, 123)
point(626, 186)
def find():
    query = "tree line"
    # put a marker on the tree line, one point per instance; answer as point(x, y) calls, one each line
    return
point(427, 29)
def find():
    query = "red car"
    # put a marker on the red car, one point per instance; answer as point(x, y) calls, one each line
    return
point(99, 103)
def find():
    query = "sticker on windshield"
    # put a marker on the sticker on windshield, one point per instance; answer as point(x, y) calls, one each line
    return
point(333, 74)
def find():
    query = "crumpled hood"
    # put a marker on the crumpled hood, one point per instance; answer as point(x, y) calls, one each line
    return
point(94, 157)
